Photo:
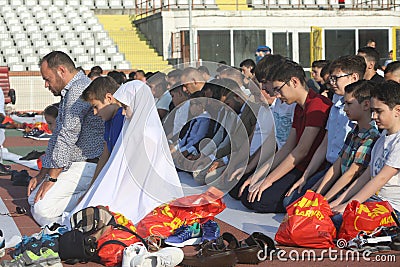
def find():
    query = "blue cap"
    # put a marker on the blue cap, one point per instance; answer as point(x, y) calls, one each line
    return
point(264, 48)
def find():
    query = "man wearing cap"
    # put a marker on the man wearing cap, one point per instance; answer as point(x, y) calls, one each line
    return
point(261, 51)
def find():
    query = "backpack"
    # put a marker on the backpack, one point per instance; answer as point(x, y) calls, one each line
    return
point(92, 219)
point(88, 225)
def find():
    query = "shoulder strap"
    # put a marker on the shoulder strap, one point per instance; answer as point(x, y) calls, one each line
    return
point(124, 228)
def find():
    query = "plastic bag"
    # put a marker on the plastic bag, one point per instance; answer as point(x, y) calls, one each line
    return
point(163, 220)
point(307, 223)
point(365, 217)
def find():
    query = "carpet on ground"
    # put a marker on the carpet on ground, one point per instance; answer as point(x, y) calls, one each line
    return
point(8, 227)
point(235, 213)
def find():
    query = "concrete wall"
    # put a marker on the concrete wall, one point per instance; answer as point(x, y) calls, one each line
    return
point(274, 21)
point(152, 28)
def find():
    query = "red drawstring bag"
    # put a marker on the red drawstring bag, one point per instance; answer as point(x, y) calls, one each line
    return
point(307, 223)
point(163, 220)
point(365, 217)
point(111, 244)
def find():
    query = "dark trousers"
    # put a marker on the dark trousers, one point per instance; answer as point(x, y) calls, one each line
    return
point(272, 198)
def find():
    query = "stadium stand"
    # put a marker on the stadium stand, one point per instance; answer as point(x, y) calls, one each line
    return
point(31, 30)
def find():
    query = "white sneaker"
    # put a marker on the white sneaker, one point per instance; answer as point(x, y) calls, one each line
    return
point(132, 252)
point(2, 245)
point(165, 257)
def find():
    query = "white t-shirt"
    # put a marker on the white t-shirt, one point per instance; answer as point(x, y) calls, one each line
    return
point(262, 130)
point(164, 101)
point(283, 118)
point(386, 151)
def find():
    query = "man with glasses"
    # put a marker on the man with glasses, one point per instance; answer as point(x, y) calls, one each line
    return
point(308, 130)
point(343, 71)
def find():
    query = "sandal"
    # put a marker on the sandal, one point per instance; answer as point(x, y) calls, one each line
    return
point(253, 249)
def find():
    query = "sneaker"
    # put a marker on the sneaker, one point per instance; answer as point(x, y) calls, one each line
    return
point(45, 257)
point(165, 257)
point(185, 235)
point(210, 230)
point(2, 244)
point(54, 229)
point(132, 252)
point(34, 243)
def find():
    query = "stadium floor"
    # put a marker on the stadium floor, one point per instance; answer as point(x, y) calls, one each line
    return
point(16, 196)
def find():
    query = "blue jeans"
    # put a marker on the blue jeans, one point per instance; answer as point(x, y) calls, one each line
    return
point(338, 218)
point(310, 183)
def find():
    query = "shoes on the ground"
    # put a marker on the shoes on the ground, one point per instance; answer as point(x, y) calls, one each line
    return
point(21, 178)
point(253, 249)
point(165, 257)
point(5, 169)
point(2, 244)
point(34, 243)
point(185, 235)
point(27, 114)
point(32, 155)
point(33, 132)
point(45, 257)
point(55, 229)
point(132, 254)
point(212, 253)
point(210, 231)
point(136, 255)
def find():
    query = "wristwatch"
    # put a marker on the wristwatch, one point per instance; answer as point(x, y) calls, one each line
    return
point(50, 179)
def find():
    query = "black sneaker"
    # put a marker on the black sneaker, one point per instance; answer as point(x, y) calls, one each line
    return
point(32, 155)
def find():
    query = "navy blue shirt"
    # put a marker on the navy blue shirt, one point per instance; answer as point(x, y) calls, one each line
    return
point(113, 129)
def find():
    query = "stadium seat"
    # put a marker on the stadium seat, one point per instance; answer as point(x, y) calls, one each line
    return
point(44, 3)
point(74, 3)
point(102, 4)
point(115, 3)
point(13, 59)
point(39, 43)
point(36, 36)
point(27, 51)
point(17, 67)
point(10, 51)
point(31, 60)
point(65, 28)
point(123, 66)
point(129, 4)
point(19, 36)
point(99, 59)
point(30, 3)
point(6, 42)
point(16, 3)
point(4, 35)
point(23, 43)
point(117, 57)
point(97, 28)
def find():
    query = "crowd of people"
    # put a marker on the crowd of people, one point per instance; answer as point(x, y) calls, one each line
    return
point(263, 132)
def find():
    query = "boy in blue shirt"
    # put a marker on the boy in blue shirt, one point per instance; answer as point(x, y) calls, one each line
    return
point(100, 95)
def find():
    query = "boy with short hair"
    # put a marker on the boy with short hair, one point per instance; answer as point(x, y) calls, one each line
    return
point(343, 71)
point(100, 96)
point(381, 180)
point(356, 152)
point(308, 130)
